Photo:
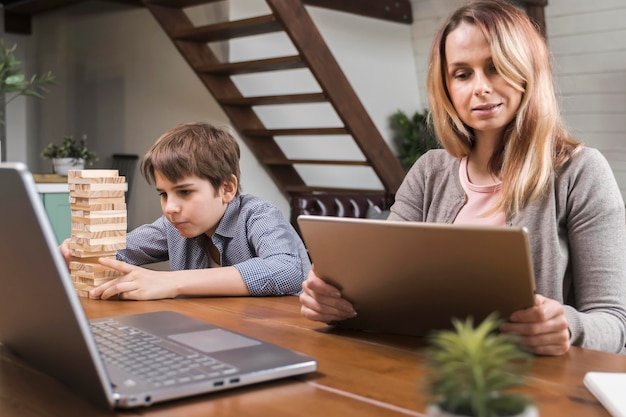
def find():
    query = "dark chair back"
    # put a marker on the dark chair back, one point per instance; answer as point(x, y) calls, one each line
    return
point(126, 165)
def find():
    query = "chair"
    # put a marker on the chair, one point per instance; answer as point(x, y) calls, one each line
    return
point(125, 164)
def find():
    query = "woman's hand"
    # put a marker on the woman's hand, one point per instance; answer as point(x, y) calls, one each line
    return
point(322, 302)
point(543, 329)
point(136, 283)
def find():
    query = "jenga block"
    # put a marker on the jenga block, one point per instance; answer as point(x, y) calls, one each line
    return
point(96, 187)
point(94, 214)
point(98, 248)
point(100, 235)
point(92, 194)
point(82, 227)
point(90, 260)
point(94, 241)
point(83, 289)
point(99, 220)
point(90, 201)
point(98, 207)
point(84, 253)
point(97, 180)
point(91, 173)
point(93, 282)
point(87, 266)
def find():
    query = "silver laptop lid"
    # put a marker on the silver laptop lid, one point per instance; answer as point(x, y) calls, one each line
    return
point(41, 318)
point(411, 278)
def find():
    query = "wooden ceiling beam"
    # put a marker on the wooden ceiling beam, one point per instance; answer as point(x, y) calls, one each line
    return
point(18, 13)
point(398, 11)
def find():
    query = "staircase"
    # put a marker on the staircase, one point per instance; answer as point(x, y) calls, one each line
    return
point(291, 17)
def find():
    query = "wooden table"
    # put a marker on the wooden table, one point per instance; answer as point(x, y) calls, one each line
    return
point(359, 374)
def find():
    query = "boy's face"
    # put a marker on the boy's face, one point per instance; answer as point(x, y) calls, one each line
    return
point(192, 205)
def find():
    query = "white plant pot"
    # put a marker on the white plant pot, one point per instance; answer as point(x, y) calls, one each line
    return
point(62, 165)
point(435, 411)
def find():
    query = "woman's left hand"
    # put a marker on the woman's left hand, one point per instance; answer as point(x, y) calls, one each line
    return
point(543, 328)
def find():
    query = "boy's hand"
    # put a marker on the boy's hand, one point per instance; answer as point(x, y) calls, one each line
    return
point(65, 251)
point(136, 283)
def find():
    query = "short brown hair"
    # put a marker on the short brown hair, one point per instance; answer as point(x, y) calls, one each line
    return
point(194, 148)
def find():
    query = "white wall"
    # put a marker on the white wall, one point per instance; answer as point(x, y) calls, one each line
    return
point(122, 82)
point(20, 109)
point(587, 40)
point(375, 56)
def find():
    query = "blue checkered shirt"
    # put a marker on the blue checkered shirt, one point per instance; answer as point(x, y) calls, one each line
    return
point(253, 236)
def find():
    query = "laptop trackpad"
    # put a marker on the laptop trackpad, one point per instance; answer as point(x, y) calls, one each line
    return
point(214, 340)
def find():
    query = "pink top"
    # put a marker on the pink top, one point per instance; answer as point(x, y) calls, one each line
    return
point(480, 198)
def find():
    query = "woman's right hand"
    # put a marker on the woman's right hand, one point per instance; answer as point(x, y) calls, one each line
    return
point(323, 302)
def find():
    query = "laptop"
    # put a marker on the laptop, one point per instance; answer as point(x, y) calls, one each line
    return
point(412, 278)
point(42, 321)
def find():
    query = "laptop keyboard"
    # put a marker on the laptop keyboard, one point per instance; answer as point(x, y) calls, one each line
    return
point(154, 359)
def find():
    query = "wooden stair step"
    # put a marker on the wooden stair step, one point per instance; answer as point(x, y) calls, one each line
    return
point(283, 161)
point(296, 131)
point(180, 4)
point(280, 99)
point(230, 30)
point(314, 189)
point(247, 67)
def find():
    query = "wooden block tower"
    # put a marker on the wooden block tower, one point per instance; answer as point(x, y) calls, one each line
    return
point(99, 223)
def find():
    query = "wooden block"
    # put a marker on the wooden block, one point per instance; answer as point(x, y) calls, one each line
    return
point(91, 173)
point(96, 187)
point(98, 248)
point(93, 241)
point(83, 289)
point(90, 260)
point(97, 180)
point(98, 214)
point(93, 282)
point(94, 194)
point(99, 220)
point(87, 266)
point(89, 201)
point(98, 207)
point(99, 235)
point(82, 227)
point(83, 253)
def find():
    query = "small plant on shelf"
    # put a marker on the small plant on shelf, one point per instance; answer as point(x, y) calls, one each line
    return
point(472, 370)
point(70, 154)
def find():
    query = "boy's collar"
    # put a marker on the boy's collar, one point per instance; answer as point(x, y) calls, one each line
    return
point(228, 223)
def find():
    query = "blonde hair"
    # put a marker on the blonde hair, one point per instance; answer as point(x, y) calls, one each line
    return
point(536, 141)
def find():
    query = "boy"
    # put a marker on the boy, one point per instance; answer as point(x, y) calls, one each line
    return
point(218, 241)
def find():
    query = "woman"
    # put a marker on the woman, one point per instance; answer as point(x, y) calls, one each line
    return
point(508, 160)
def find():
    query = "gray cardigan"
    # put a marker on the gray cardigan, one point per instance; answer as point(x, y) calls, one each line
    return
point(577, 235)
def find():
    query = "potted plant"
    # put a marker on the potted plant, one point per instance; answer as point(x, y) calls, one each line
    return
point(71, 154)
point(413, 135)
point(472, 370)
point(14, 83)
